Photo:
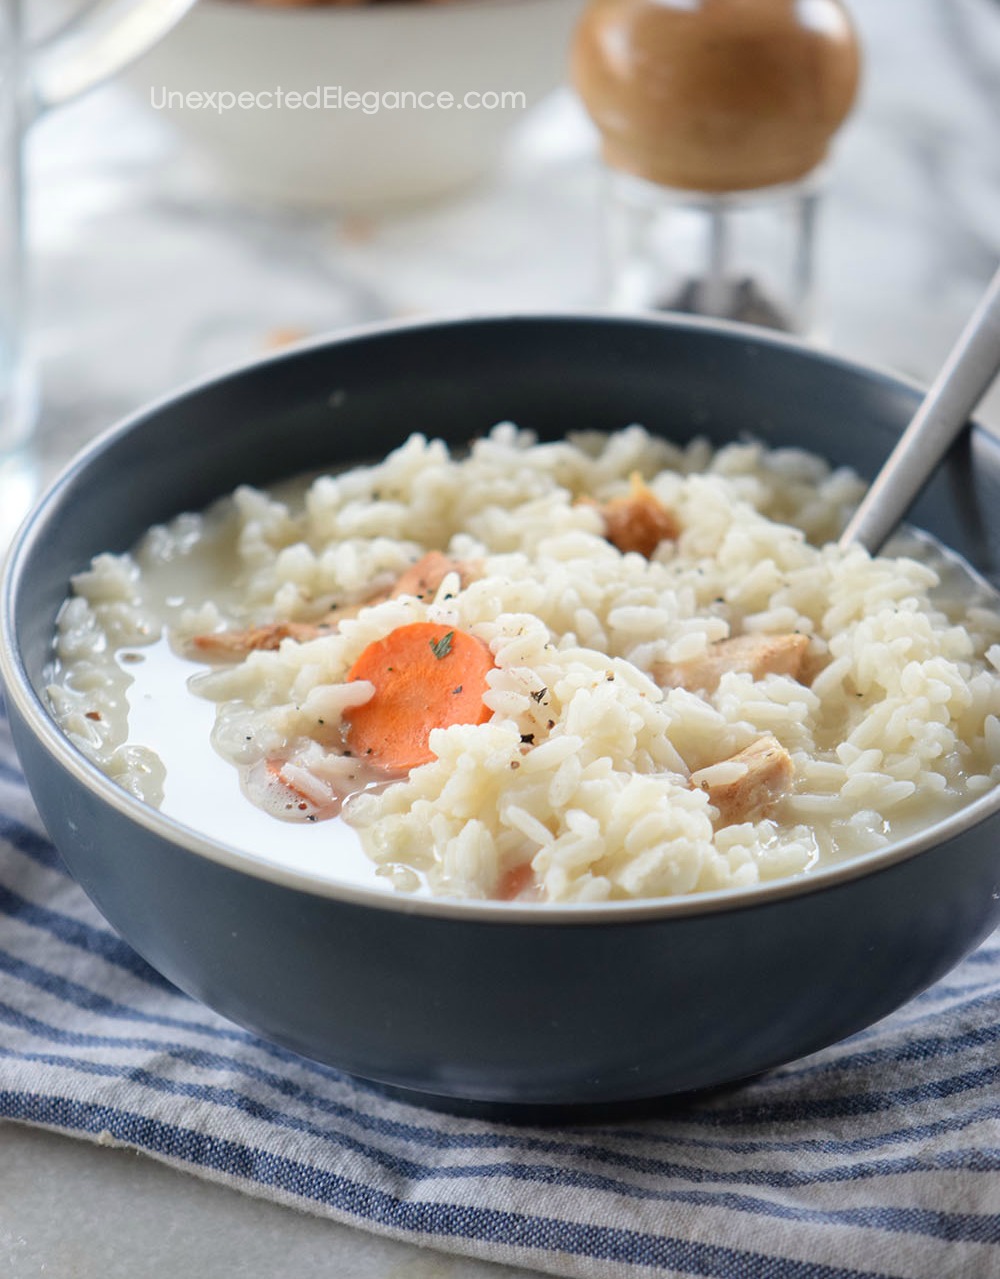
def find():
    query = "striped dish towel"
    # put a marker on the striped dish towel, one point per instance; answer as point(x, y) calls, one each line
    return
point(879, 1157)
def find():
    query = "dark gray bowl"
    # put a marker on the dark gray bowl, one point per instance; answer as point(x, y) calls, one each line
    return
point(494, 1002)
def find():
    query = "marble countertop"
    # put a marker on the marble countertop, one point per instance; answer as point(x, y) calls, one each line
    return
point(125, 223)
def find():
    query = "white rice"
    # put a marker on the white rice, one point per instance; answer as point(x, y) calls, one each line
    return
point(586, 766)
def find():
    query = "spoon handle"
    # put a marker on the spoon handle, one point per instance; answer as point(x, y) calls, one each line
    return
point(963, 381)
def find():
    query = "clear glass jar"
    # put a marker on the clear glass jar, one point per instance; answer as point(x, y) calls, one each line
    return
point(82, 52)
point(742, 255)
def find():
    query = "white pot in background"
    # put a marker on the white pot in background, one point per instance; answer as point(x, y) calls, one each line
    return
point(355, 158)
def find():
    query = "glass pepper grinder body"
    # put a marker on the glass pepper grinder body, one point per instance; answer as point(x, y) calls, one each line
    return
point(716, 117)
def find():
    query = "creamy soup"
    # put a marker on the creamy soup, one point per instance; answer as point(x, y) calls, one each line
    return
point(599, 669)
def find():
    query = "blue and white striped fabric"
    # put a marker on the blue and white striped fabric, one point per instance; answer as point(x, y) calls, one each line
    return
point(879, 1157)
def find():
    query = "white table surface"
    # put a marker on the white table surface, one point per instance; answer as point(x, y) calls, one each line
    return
point(123, 224)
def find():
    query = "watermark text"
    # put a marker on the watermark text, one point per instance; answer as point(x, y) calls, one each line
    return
point(334, 97)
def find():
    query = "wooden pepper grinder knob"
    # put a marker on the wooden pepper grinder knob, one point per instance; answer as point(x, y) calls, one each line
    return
point(723, 100)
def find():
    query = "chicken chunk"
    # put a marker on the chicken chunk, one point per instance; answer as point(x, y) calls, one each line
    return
point(757, 655)
point(266, 638)
point(638, 521)
point(748, 783)
point(421, 579)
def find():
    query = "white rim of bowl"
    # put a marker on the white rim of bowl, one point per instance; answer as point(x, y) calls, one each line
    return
point(21, 692)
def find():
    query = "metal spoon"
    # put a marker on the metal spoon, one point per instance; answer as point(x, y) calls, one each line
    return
point(964, 379)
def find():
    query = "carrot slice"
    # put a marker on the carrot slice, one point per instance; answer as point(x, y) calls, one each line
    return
point(426, 676)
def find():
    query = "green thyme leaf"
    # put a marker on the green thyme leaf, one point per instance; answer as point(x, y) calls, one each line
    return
point(442, 647)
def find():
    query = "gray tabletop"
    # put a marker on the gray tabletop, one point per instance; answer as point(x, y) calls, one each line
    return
point(146, 276)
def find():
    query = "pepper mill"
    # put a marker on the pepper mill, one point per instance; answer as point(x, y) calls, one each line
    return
point(716, 117)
